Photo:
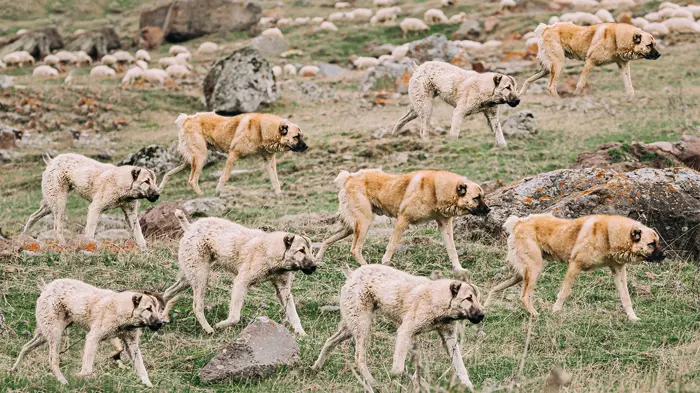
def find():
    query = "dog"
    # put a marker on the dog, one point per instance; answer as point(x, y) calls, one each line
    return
point(595, 45)
point(253, 255)
point(108, 315)
point(469, 92)
point(417, 304)
point(105, 185)
point(411, 198)
point(585, 243)
point(238, 136)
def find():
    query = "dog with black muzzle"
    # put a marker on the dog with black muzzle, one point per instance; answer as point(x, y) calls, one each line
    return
point(250, 134)
point(469, 92)
point(585, 243)
point(252, 255)
point(105, 185)
point(108, 314)
point(416, 304)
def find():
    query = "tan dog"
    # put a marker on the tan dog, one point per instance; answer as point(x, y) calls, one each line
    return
point(469, 92)
point(412, 198)
point(105, 185)
point(252, 255)
point(239, 136)
point(417, 304)
point(595, 45)
point(108, 314)
point(586, 243)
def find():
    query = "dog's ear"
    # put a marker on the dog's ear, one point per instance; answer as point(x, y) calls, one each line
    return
point(135, 173)
point(637, 38)
point(284, 128)
point(461, 190)
point(288, 240)
point(497, 79)
point(476, 291)
point(137, 299)
point(636, 235)
point(454, 287)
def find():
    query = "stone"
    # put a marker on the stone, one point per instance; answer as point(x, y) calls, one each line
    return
point(38, 43)
point(187, 19)
point(205, 207)
point(159, 221)
point(388, 75)
point(6, 81)
point(154, 157)
point(385, 49)
point(434, 47)
point(96, 42)
point(270, 46)
point(328, 69)
point(8, 136)
point(468, 30)
point(240, 83)
point(114, 235)
point(522, 124)
point(635, 155)
point(259, 350)
point(151, 36)
point(667, 200)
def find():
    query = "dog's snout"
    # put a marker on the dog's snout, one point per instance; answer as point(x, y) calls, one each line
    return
point(309, 269)
point(155, 326)
point(514, 102)
point(153, 197)
point(481, 210)
point(656, 256)
point(476, 318)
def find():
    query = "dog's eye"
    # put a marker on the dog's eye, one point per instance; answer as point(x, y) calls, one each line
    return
point(150, 308)
point(302, 251)
point(507, 87)
point(652, 244)
point(478, 198)
point(148, 181)
point(469, 298)
point(650, 46)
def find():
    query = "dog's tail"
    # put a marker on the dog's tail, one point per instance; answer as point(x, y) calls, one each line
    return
point(181, 120)
point(340, 179)
point(46, 157)
point(184, 223)
point(510, 223)
point(541, 54)
point(540, 29)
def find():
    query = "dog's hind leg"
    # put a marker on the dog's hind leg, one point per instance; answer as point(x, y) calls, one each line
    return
point(226, 173)
point(539, 75)
point(57, 204)
point(587, 67)
point(492, 118)
point(172, 294)
point(448, 335)
point(44, 210)
point(53, 336)
point(338, 337)
point(425, 110)
point(33, 344)
point(238, 292)
point(283, 289)
point(361, 332)
point(405, 119)
point(399, 229)
point(171, 172)
point(512, 280)
point(340, 234)
point(571, 274)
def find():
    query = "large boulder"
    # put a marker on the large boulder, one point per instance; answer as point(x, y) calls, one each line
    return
point(240, 83)
point(522, 124)
point(6, 81)
point(9, 136)
point(625, 157)
point(392, 75)
point(434, 47)
point(160, 221)
point(205, 207)
point(259, 350)
point(665, 199)
point(270, 46)
point(38, 43)
point(96, 42)
point(154, 157)
point(187, 19)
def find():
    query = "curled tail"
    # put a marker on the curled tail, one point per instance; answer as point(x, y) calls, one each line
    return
point(510, 224)
point(184, 223)
point(540, 29)
point(46, 157)
point(340, 179)
point(181, 119)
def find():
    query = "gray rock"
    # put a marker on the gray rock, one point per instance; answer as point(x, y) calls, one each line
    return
point(6, 81)
point(328, 69)
point(259, 350)
point(434, 47)
point(205, 207)
point(9, 136)
point(667, 200)
point(49, 236)
point(240, 83)
point(389, 75)
point(270, 46)
point(154, 157)
point(316, 93)
point(159, 221)
point(385, 49)
point(114, 235)
point(522, 124)
point(468, 30)
point(38, 43)
point(96, 42)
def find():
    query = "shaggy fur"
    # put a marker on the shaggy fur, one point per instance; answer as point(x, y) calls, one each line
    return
point(586, 243)
point(416, 304)
point(469, 92)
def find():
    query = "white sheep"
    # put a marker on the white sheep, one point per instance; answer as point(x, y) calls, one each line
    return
point(289, 70)
point(554, 19)
point(682, 25)
point(349, 16)
point(102, 71)
point(412, 24)
point(469, 45)
point(384, 15)
point(362, 14)
point(12, 59)
point(183, 57)
point(640, 22)
point(177, 71)
point(385, 58)
point(284, 22)
point(384, 3)
point(667, 13)
point(143, 54)
point(45, 71)
point(25, 57)
point(657, 29)
point(507, 5)
point(82, 58)
point(433, 16)
point(155, 75)
point(22, 31)
point(300, 21)
point(585, 5)
point(336, 16)
point(362, 63)
point(605, 15)
point(108, 60)
point(141, 64)
point(277, 71)
point(683, 13)
point(668, 4)
point(175, 49)
point(458, 18)
point(309, 70)
point(316, 20)
point(208, 47)
point(123, 57)
point(66, 57)
point(401, 51)
point(165, 62)
point(695, 9)
point(342, 5)
point(132, 75)
point(580, 18)
point(51, 60)
point(617, 4)
point(272, 32)
point(653, 17)
point(328, 26)
point(446, 3)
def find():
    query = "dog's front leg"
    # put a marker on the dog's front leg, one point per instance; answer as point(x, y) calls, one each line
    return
point(620, 276)
point(232, 158)
point(627, 78)
point(131, 215)
point(571, 274)
point(92, 343)
point(587, 67)
point(399, 229)
point(94, 212)
point(404, 341)
point(271, 167)
point(494, 122)
point(462, 110)
point(283, 288)
point(238, 292)
point(448, 335)
point(445, 226)
point(131, 344)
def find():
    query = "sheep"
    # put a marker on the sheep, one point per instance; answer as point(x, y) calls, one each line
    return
point(22, 31)
point(362, 63)
point(433, 16)
point(309, 70)
point(301, 21)
point(470, 46)
point(316, 21)
point(554, 19)
point(175, 49)
point(668, 4)
point(385, 58)
point(165, 62)
point(336, 16)
point(605, 15)
point(45, 71)
point(446, 3)
point(384, 3)
point(682, 25)
point(51, 60)
point(328, 26)
point(401, 51)
point(142, 54)
point(507, 5)
point(12, 59)
point(108, 60)
point(82, 58)
point(289, 70)
point(695, 9)
point(155, 75)
point(667, 13)
point(141, 64)
point(102, 71)
point(617, 4)
point(529, 35)
point(265, 22)
point(412, 24)
point(132, 74)
point(362, 14)
point(123, 57)
point(564, 3)
point(384, 15)
point(342, 5)
point(683, 13)
point(349, 16)
point(585, 5)
point(284, 22)
point(272, 32)
point(277, 71)
point(458, 18)
point(66, 57)
point(657, 29)
point(653, 17)
point(640, 22)
point(183, 57)
point(580, 18)
point(177, 71)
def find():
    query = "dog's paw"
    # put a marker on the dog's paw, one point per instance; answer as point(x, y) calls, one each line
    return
point(396, 372)
point(301, 333)
point(633, 319)
point(63, 381)
point(83, 374)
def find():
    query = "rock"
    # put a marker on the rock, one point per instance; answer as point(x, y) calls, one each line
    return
point(39, 43)
point(240, 83)
point(385, 49)
point(49, 236)
point(388, 75)
point(327, 309)
point(626, 157)
point(667, 200)
point(521, 125)
point(468, 30)
point(259, 350)
point(490, 23)
point(187, 19)
point(328, 69)
point(7, 156)
point(154, 157)
point(159, 221)
point(6, 81)
point(270, 46)
point(8, 136)
point(316, 93)
point(205, 207)
point(96, 42)
point(114, 235)
point(152, 36)
point(434, 47)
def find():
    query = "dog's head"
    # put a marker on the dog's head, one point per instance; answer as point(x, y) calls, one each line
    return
point(292, 137)
point(470, 197)
point(644, 45)
point(298, 254)
point(645, 244)
point(464, 302)
point(143, 184)
point(505, 90)
point(148, 310)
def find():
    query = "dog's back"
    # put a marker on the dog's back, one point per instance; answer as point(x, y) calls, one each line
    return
point(218, 237)
point(73, 171)
point(67, 297)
